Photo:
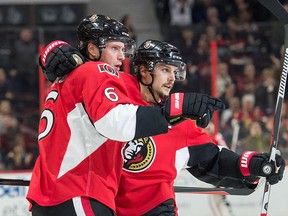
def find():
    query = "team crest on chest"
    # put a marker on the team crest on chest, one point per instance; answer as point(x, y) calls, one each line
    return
point(107, 69)
point(138, 154)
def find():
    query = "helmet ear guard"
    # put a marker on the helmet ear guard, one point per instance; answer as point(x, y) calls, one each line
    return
point(153, 51)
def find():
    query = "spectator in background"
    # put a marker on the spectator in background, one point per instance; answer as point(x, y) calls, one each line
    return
point(8, 129)
point(233, 30)
point(229, 117)
point(162, 12)
point(214, 34)
point(213, 16)
point(229, 92)
point(181, 12)
point(128, 22)
point(256, 139)
point(247, 77)
point(246, 115)
point(15, 82)
point(266, 93)
point(8, 123)
point(25, 61)
point(6, 91)
point(242, 10)
point(18, 158)
point(187, 43)
point(200, 10)
point(223, 78)
point(202, 52)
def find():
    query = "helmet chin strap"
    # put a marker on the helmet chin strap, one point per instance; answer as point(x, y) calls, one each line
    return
point(152, 93)
point(150, 88)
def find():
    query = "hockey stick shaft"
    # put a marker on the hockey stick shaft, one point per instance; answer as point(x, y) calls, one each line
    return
point(277, 121)
point(177, 189)
point(219, 191)
point(16, 182)
point(278, 11)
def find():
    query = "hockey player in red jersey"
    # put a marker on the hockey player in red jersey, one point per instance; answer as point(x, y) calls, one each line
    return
point(86, 118)
point(152, 163)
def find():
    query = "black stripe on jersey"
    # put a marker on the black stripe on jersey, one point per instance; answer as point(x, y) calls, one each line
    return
point(150, 121)
point(216, 166)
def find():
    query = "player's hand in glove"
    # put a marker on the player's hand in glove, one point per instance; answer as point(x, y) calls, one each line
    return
point(257, 164)
point(58, 59)
point(196, 106)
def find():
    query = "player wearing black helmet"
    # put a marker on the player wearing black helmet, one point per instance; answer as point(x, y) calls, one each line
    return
point(151, 163)
point(87, 117)
point(99, 29)
point(96, 34)
point(152, 52)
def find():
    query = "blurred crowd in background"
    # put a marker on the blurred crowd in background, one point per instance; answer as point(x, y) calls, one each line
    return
point(249, 47)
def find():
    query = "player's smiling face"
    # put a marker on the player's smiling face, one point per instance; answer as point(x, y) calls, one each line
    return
point(113, 54)
point(164, 78)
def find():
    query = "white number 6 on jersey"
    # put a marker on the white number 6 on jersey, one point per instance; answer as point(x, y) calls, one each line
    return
point(110, 94)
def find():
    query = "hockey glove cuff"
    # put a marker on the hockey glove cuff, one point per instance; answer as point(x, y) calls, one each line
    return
point(257, 164)
point(58, 59)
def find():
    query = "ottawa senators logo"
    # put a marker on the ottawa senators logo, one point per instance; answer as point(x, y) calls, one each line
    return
point(138, 154)
point(108, 69)
point(147, 44)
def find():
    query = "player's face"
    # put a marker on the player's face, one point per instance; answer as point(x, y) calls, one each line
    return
point(164, 78)
point(113, 54)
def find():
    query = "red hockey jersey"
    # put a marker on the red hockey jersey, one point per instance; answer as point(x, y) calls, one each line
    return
point(150, 166)
point(152, 163)
point(76, 157)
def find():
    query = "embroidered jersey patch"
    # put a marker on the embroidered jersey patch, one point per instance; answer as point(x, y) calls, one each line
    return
point(138, 154)
point(108, 69)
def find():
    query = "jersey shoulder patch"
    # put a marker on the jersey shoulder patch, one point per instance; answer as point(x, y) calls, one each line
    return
point(106, 68)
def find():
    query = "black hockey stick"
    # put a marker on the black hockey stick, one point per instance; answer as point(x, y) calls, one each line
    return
point(16, 182)
point(177, 189)
point(276, 8)
point(219, 191)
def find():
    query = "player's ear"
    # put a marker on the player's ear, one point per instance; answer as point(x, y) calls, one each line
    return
point(93, 51)
point(145, 74)
point(144, 71)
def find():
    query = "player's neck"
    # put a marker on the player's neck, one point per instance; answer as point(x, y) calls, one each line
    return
point(146, 94)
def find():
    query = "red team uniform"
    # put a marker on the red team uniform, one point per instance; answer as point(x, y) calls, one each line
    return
point(158, 156)
point(151, 164)
point(73, 141)
point(87, 111)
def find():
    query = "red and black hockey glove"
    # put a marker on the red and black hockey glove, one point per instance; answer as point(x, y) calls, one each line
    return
point(196, 106)
point(58, 59)
point(257, 164)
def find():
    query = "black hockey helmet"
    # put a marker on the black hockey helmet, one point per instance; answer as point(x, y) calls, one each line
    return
point(151, 52)
point(99, 29)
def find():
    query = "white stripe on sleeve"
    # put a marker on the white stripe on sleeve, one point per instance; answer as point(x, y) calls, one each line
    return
point(119, 123)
